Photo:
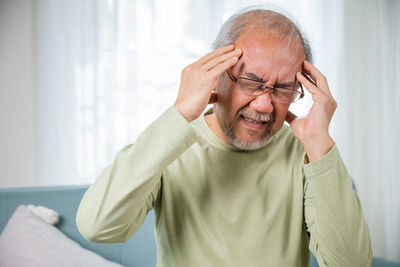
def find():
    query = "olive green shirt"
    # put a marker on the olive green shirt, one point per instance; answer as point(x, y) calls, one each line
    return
point(216, 205)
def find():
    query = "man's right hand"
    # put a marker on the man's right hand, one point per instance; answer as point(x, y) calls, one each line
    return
point(200, 78)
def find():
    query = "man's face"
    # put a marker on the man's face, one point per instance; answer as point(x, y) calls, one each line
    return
point(267, 58)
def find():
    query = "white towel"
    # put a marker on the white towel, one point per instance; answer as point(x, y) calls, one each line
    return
point(48, 215)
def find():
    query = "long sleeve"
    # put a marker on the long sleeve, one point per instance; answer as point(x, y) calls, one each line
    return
point(116, 204)
point(339, 235)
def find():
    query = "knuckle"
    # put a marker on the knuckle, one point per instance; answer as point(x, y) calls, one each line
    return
point(187, 69)
point(209, 54)
point(213, 53)
point(209, 74)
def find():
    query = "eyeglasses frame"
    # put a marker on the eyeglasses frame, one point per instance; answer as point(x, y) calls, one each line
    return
point(265, 87)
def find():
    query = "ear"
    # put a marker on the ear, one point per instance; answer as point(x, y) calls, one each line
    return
point(290, 117)
point(213, 97)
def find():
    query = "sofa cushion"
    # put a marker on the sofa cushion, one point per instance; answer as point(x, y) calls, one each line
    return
point(28, 240)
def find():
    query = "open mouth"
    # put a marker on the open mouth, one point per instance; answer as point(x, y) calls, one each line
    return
point(255, 124)
point(253, 121)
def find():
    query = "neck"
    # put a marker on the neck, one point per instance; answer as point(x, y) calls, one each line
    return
point(213, 124)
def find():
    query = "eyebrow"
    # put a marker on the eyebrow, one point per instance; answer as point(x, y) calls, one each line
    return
point(255, 77)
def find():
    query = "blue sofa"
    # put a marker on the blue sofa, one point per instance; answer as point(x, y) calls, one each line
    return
point(140, 250)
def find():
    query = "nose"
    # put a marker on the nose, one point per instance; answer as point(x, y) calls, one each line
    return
point(263, 103)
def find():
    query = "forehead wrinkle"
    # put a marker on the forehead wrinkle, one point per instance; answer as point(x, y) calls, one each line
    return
point(250, 73)
point(273, 78)
point(289, 76)
point(254, 76)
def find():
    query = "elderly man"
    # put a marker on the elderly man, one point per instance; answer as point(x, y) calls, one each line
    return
point(237, 187)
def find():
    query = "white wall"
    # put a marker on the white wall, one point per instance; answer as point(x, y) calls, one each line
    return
point(18, 118)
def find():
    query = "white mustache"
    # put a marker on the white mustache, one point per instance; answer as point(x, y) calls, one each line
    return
point(265, 117)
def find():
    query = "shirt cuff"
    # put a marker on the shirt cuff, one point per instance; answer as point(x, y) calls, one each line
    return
point(177, 121)
point(324, 164)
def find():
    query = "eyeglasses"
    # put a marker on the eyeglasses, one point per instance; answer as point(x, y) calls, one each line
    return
point(279, 94)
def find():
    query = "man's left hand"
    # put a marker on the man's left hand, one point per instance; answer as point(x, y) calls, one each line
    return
point(313, 130)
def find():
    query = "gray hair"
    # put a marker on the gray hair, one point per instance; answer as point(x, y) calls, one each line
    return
point(256, 18)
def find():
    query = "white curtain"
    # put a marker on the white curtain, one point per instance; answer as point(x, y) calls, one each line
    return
point(367, 122)
point(107, 68)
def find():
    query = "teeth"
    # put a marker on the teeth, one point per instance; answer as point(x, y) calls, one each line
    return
point(258, 122)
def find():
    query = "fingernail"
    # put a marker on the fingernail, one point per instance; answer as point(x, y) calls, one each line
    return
point(238, 50)
point(235, 58)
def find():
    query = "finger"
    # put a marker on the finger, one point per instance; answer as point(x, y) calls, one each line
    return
point(317, 76)
point(212, 54)
point(220, 68)
point(314, 90)
point(309, 85)
point(217, 60)
point(290, 117)
point(314, 73)
point(308, 77)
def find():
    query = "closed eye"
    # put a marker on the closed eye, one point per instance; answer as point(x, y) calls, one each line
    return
point(283, 92)
point(290, 85)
